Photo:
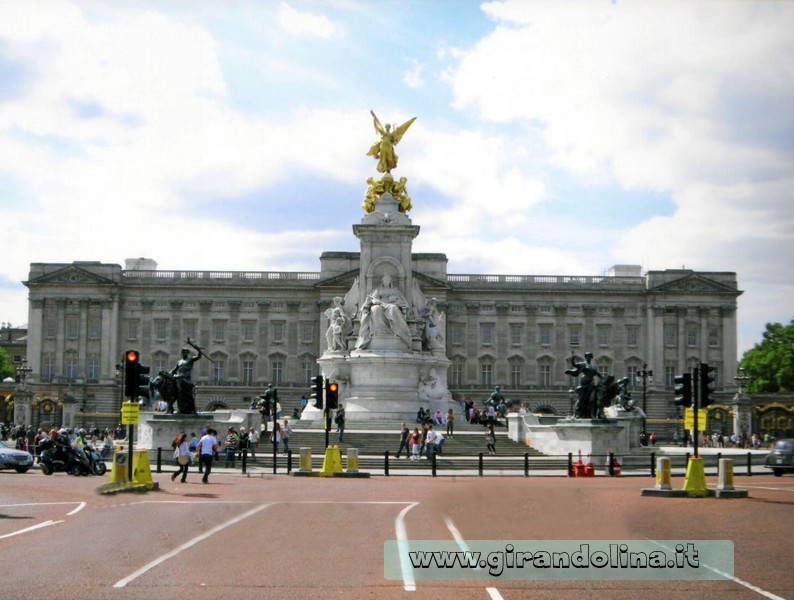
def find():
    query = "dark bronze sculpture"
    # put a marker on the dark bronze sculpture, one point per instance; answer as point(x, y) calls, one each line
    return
point(177, 385)
point(594, 396)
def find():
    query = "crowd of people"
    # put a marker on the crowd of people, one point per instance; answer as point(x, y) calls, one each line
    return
point(29, 438)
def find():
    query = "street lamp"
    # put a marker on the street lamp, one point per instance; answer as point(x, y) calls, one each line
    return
point(647, 377)
point(22, 371)
point(741, 380)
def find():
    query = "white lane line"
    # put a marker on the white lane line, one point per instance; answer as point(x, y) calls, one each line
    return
point(32, 528)
point(409, 585)
point(494, 594)
point(727, 577)
point(458, 538)
point(77, 510)
point(123, 582)
point(39, 504)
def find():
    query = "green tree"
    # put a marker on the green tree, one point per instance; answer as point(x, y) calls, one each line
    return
point(770, 363)
point(6, 368)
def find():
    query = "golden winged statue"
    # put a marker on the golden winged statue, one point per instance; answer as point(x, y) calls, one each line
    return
point(383, 150)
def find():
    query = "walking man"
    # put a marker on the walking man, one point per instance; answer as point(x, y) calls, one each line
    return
point(208, 446)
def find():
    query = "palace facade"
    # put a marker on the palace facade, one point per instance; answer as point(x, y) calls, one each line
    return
point(516, 331)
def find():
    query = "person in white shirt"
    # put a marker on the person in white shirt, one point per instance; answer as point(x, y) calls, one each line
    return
point(430, 441)
point(207, 446)
point(253, 440)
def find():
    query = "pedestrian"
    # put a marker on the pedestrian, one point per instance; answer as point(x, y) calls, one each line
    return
point(404, 431)
point(208, 446)
point(286, 430)
point(253, 440)
point(242, 446)
point(430, 442)
point(490, 440)
point(182, 455)
point(439, 442)
point(275, 436)
point(339, 419)
point(416, 444)
point(231, 443)
point(450, 423)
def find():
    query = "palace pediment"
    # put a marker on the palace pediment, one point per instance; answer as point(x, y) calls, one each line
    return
point(70, 275)
point(695, 284)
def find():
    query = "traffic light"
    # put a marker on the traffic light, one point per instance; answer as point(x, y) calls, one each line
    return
point(332, 395)
point(706, 385)
point(683, 390)
point(317, 391)
point(136, 380)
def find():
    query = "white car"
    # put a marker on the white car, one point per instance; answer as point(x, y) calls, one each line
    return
point(11, 458)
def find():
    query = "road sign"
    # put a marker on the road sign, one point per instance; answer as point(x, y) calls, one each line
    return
point(130, 412)
point(689, 419)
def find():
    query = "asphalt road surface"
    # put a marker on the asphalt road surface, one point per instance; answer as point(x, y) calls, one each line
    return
point(288, 537)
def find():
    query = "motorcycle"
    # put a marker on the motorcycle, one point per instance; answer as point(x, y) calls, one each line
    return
point(96, 464)
point(59, 458)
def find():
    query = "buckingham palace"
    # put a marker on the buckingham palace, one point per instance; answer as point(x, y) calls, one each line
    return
point(516, 331)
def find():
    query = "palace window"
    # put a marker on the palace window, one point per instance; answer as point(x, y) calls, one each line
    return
point(219, 370)
point(94, 329)
point(248, 372)
point(249, 328)
point(486, 333)
point(161, 330)
point(632, 335)
point(544, 375)
point(219, 330)
point(190, 329)
point(544, 333)
point(486, 374)
point(515, 334)
point(277, 372)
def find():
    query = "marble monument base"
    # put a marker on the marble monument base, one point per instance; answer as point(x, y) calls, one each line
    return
point(386, 384)
point(158, 430)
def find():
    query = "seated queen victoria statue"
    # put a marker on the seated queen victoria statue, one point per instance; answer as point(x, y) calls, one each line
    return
point(383, 312)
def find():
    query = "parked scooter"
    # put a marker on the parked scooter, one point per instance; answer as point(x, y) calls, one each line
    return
point(96, 464)
point(61, 458)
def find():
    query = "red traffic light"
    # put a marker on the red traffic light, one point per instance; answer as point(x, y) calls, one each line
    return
point(132, 356)
point(333, 387)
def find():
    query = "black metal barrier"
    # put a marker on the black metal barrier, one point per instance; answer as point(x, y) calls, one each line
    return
point(643, 465)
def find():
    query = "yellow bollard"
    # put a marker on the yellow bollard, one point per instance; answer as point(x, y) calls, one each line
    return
point(663, 473)
point(332, 463)
point(695, 483)
point(306, 460)
point(118, 470)
point(352, 460)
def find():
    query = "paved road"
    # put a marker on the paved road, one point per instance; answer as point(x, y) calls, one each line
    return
point(289, 537)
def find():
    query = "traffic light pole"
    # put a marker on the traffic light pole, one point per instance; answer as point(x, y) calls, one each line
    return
point(696, 406)
point(327, 419)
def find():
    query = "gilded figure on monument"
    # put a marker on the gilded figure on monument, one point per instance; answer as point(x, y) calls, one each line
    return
point(383, 150)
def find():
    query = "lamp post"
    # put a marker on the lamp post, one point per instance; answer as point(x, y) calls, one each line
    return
point(741, 380)
point(22, 371)
point(647, 376)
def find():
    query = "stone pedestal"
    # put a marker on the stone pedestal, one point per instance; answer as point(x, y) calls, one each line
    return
point(158, 430)
point(387, 384)
point(559, 436)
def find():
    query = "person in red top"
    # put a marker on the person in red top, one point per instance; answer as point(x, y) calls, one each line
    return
point(416, 444)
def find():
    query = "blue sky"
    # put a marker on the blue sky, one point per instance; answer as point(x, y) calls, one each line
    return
point(551, 137)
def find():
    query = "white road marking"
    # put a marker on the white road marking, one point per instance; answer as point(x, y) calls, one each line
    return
point(494, 594)
point(77, 510)
point(123, 582)
point(32, 528)
point(459, 539)
point(727, 577)
point(409, 584)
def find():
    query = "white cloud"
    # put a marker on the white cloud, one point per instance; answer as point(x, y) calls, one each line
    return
point(303, 23)
point(414, 77)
